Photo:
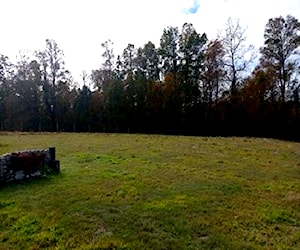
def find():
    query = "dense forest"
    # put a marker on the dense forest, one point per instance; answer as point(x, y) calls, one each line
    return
point(188, 85)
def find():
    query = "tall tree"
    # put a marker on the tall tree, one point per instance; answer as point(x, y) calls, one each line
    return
point(213, 72)
point(82, 108)
point(5, 85)
point(257, 93)
point(171, 101)
point(108, 55)
point(102, 76)
point(147, 61)
point(169, 46)
point(53, 71)
point(114, 108)
point(5, 68)
point(281, 52)
point(127, 59)
point(24, 102)
point(118, 70)
point(234, 44)
point(191, 46)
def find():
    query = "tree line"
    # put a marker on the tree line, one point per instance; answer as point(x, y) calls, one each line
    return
point(188, 85)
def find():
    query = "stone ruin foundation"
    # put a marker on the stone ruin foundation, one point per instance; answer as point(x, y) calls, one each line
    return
point(27, 164)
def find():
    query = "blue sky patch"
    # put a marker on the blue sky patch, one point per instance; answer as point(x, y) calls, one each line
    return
point(194, 8)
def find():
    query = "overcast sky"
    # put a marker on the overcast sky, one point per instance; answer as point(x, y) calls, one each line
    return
point(80, 26)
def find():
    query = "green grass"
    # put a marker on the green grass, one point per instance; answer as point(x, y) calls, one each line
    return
point(118, 191)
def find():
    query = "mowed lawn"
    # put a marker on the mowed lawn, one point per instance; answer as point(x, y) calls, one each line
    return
point(121, 191)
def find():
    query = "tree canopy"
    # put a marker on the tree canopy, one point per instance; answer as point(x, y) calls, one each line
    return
point(189, 84)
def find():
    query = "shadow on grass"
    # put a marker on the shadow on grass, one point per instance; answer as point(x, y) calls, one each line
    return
point(41, 181)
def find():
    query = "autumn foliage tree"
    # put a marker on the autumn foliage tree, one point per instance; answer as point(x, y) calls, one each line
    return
point(187, 84)
point(281, 52)
point(213, 72)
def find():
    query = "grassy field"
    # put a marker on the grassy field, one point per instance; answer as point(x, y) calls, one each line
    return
point(118, 191)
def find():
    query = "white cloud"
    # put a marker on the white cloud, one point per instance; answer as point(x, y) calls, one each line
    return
point(80, 26)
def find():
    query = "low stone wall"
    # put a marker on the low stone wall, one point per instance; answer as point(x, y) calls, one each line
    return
point(28, 164)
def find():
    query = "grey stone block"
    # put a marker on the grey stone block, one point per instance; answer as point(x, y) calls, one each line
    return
point(19, 175)
point(36, 174)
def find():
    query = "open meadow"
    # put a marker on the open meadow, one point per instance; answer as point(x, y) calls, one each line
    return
point(124, 191)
